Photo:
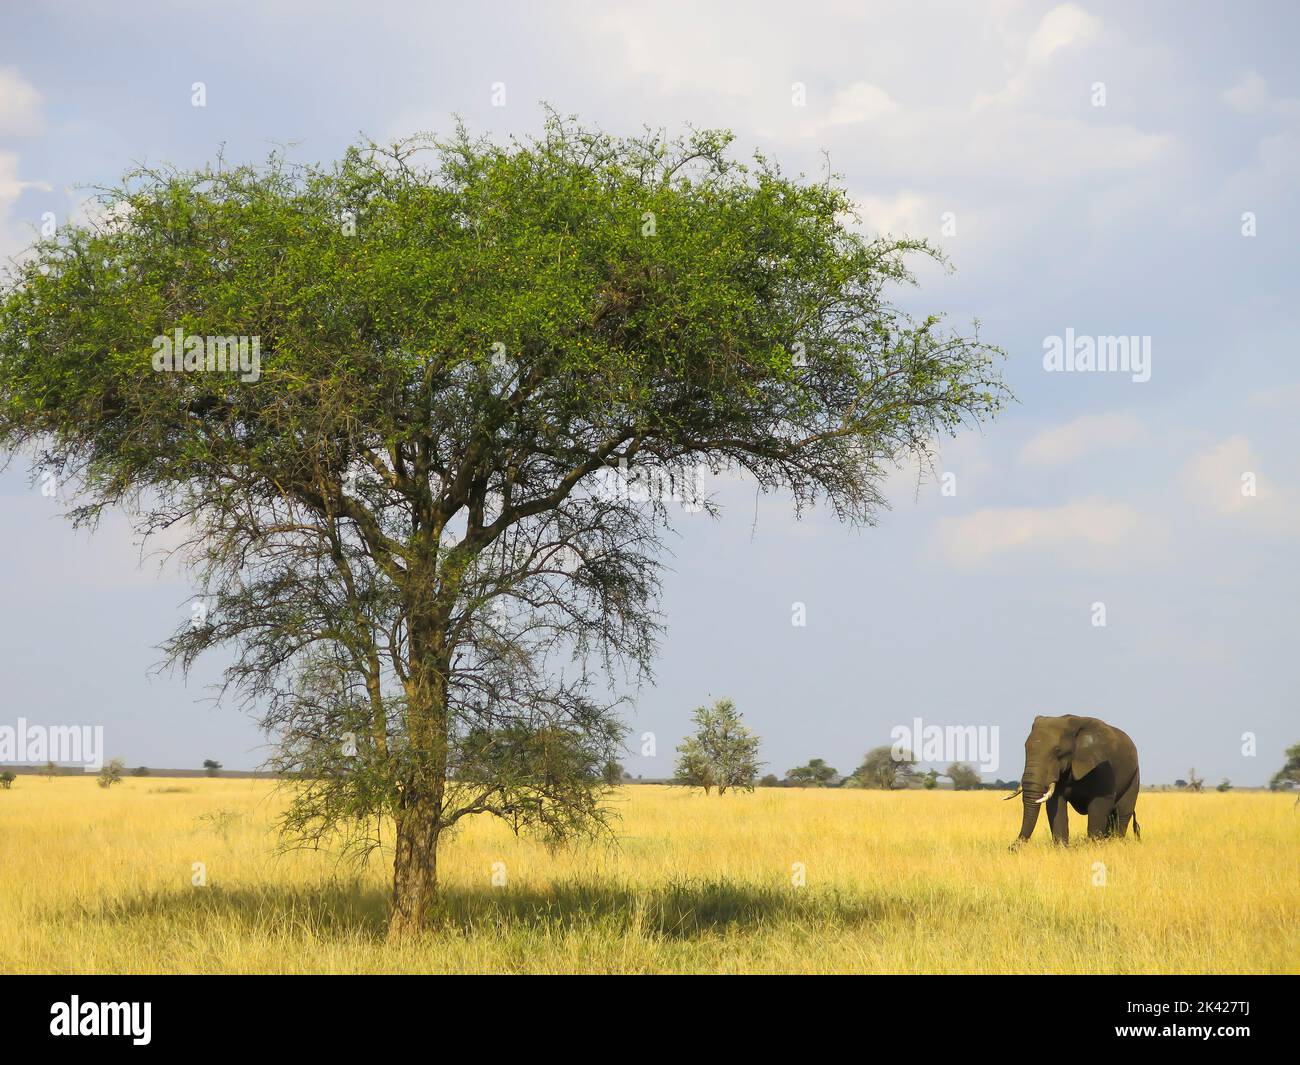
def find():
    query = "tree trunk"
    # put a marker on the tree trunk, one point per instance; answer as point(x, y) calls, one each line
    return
point(415, 870)
point(424, 775)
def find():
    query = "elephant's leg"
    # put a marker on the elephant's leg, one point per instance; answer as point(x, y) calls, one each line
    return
point(1125, 807)
point(1099, 813)
point(1058, 816)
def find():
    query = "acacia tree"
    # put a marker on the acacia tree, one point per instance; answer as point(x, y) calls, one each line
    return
point(1290, 770)
point(694, 768)
point(963, 776)
point(722, 752)
point(392, 504)
point(815, 774)
point(880, 768)
point(111, 773)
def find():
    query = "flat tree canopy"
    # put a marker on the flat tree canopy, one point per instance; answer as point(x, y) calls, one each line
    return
point(391, 499)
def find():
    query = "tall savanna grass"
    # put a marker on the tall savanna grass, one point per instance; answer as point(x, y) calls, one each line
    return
point(95, 880)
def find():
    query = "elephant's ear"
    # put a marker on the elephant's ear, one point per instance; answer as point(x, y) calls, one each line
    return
point(1089, 753)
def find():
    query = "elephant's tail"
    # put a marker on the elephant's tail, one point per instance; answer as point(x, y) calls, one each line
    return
point(1137, 829)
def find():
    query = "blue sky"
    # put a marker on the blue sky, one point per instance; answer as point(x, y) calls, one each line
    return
point(1087, 166)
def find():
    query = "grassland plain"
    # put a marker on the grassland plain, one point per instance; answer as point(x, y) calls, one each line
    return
point(912, 882)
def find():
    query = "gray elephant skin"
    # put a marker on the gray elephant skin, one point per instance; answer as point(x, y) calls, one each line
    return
point(1084, 763)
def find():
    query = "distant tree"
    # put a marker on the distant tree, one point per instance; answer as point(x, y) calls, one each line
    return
point(816, 774)
point(613, 773)
point(7, 779)
point(694, 769)
point(963, 777)
point(140, 771)
point(930, 780)
point(50, 770)
point(721, 754)
point(212, 766)
point(880, 769)
point(1224, 785)
point(111, 773)
point(770, 780)
point(1290, 771)
point(1193, 781)
point(1180, 783)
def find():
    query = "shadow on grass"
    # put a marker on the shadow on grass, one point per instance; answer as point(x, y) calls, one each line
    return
point(679, 910)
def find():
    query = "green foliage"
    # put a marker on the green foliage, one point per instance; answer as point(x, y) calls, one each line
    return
point(816, 774)
point(694, 768)
point(7, 779)
point(394, 524)
point(770, 780)
point(111, 773)
point(1224, 785)
point(211, 766)
point(1290, 770)
point(722, 753)
point(963, 777)
point(880, 769)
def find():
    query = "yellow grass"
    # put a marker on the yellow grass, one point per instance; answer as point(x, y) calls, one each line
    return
point(100, 881)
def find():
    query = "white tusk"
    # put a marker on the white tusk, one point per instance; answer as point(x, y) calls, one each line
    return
point(1047, 794)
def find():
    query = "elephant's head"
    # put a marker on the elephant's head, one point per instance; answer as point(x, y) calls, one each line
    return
point(1056, 745)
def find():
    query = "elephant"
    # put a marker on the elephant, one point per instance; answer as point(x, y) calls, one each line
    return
point(1081, 762)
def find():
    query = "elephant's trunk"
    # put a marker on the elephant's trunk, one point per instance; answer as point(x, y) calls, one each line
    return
point(1030, 817)
point(1033, 794)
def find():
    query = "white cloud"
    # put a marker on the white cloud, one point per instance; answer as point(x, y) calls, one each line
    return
point(1251, 96)
point(1226, 479)
point(903, 213)
point(1079, 438)
point(1066, 26)
point(858, 103)
point(12, 240)
point(20, 105)
point(1088, 534)
point(1063, 27)
point(893, 123)
point(1213, 478)
point(90, 211)
point(714, 56)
